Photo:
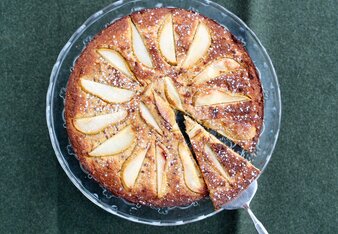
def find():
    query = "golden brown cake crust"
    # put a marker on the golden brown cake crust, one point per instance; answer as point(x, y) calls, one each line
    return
point(91, 66)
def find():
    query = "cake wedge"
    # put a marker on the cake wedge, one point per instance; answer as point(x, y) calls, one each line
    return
point(225, 172)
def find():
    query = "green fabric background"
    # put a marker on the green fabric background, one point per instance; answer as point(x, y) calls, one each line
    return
point(299, 189)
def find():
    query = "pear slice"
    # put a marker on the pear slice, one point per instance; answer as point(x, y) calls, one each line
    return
point(167, 41)
point(161, 171)
point(213, 97)
point(116, 60)
point(199, 45)
point(215, 69)
point(212, 157)
point(139, 47)
point(131, 168)
point(93, 125)
point(166, 112)
point(172, 94)
point(106, 92)
point(149, 118)
point(192, 128)
point(116, 144)
point(192, 175)
point(239, 133)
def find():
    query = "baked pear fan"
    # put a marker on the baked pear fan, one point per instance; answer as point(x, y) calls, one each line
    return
point(126, 89)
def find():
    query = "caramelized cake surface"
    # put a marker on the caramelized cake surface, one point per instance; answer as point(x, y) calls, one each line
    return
point(126, 88)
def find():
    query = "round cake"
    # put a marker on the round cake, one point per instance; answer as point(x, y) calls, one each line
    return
point(130, 90)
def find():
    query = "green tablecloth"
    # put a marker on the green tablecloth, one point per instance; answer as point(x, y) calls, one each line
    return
point(298, 191)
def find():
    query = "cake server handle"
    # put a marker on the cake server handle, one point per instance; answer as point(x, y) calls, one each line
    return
point(258, 225)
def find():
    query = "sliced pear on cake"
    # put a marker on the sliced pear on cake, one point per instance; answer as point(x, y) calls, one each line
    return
point(166, 112)
point(192, 128)
point(241, 132)
point(192, 175)
point(214, 97)
point(139, 48)
point(172, 94)
point(132, 167)
point(167, 41)
point(149, 118)
point(199, 45)
point(95, 124)
point(116, 60)
point(160, 156)
point(215, 69)
point(106, 92)
point(212, 157)
point(116, 144)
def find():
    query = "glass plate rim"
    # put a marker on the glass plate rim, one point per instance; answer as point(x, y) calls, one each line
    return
point(49, 107)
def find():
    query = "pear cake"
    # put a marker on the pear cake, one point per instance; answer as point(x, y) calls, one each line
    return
point(127, 88)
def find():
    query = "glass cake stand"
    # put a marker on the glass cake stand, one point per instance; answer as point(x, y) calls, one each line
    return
point(57, 127)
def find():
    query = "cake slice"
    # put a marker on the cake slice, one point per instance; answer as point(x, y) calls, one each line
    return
point(226, 173)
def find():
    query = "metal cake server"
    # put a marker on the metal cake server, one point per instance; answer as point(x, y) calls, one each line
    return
point(243, 201)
